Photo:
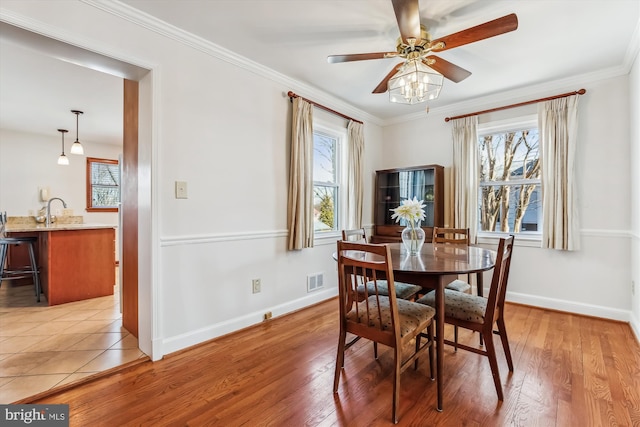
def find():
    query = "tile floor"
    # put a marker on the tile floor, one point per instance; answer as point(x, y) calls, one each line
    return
point(42, 347)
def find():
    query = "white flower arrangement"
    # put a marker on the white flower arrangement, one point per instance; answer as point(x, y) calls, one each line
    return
point(411, 210)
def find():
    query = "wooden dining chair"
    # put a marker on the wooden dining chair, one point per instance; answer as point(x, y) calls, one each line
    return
point(383, 319)
point(480, 314)
point(454, 236)
point(403, 290)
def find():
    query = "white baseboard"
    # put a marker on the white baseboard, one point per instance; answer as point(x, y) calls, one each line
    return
point(571, 307)
point(180, 342)
point(635, 326)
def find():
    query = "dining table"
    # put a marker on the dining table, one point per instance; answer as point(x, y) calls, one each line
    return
point(433, 268)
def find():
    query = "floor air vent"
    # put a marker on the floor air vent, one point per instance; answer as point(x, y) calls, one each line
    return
point(315, 282)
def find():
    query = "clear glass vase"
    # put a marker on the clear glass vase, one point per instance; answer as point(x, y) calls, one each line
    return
point(413, 238)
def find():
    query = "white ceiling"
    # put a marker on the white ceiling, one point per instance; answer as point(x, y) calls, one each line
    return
point(555, 40)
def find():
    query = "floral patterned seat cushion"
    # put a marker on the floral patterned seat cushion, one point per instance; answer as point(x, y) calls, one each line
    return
point(411, 314)
point(459, 285)
point(403, 290)
point(459, 305)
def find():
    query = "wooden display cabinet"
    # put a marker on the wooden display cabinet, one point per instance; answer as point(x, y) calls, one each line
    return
point(394, 185)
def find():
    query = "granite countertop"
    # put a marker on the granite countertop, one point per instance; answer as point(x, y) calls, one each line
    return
point(22, 224)
point(21, 228)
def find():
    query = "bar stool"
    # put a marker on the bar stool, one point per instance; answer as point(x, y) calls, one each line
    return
point(18, 272)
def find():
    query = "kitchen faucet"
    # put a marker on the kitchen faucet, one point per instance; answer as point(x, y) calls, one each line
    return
point(48, 223)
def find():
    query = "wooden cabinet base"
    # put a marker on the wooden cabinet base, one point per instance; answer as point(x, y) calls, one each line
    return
point(77, 265)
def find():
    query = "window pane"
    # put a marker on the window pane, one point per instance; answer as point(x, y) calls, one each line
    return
point(325, 208)
point(324, 158)
point(105, 174)
point(509, 155)
point(510, 208)
point(104, 197)
point(104, 181)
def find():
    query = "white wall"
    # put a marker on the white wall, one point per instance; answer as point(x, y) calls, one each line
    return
point(634, 113)
point(594, 280)
point(224, 129)
point(29, 161)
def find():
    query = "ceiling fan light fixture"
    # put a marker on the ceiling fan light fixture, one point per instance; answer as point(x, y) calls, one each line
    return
point(414, 83)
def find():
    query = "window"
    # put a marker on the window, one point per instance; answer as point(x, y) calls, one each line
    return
point(103, 185)
point(510, 200)
point(326, 179)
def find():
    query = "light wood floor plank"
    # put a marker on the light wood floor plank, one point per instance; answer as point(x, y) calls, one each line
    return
point(569, 371)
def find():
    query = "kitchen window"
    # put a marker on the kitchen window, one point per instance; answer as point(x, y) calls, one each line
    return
point(103, 185)
point(509, 195)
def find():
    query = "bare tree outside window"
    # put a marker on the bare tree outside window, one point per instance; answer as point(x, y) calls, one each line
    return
point(510, 198)
point(103, 185)
point(325, 182)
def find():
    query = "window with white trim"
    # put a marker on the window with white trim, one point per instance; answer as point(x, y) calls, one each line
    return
point(509, 193)
point(327, 188)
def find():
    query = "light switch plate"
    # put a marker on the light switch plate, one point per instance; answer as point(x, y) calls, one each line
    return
point(181, 189)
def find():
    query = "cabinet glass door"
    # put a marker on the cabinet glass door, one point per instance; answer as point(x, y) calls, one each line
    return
point(394, 187)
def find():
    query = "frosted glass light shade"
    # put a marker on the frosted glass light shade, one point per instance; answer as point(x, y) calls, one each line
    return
point(76, 148)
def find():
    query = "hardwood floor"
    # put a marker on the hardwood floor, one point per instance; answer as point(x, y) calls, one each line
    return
point(569, 371)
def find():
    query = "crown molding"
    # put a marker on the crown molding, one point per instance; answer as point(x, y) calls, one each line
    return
point(172, 32)
point(515, 96)
point(634, 47)
point(522, 94)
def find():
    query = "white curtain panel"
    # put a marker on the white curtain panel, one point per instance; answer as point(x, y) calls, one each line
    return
point(300, 204)
point(355, 174)
point(558, 124)
point(465, 175)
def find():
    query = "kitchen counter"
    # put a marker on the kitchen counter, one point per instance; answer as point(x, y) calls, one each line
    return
point(26, 228)
point(76, 260)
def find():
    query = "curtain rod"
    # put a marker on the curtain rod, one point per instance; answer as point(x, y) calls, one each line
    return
point(520, 104)
point(292, 95)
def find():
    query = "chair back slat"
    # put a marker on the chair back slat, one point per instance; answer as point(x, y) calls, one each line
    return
point(499, 280)
point(451, 235)
point(368, 315)
point(355, 235)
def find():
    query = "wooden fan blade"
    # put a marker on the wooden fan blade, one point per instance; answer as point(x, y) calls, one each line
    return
point(334, 59)
point(408, 17)
point(480, 32)
point(382, 87)
point(450, 71)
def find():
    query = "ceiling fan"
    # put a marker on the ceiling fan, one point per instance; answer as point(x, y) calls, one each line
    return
point(415, 46)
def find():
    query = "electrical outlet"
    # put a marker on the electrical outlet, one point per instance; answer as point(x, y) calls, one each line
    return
point(181, 189)
point(256, 286)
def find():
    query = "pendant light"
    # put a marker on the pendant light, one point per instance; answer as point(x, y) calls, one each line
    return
point(63, 160)
point(76, 147)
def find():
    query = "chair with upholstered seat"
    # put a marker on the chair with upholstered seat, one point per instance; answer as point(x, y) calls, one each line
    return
point(403, 290)
point(480, 314)
point(383, 319)
point(454, 236)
